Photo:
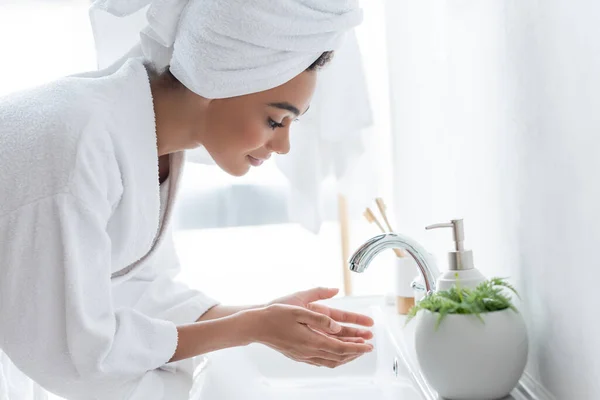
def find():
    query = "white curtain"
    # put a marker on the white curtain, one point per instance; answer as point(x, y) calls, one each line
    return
point(495, 119)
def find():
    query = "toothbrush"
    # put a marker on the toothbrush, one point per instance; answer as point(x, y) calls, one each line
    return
point(382, 208)
point(370, 216)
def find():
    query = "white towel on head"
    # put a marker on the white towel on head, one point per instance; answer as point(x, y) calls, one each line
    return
point(226, 48)
point(249, 45)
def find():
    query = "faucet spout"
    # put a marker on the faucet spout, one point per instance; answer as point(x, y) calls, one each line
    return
point(361, 259)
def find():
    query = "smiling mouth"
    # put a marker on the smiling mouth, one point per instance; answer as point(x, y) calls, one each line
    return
point(256, 162)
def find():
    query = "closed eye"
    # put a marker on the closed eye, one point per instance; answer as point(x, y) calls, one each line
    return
point(274, 124)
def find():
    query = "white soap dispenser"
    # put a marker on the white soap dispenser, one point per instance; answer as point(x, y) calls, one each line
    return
point(460, 261)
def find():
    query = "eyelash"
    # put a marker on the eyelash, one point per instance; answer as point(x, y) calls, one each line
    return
point(274, 125)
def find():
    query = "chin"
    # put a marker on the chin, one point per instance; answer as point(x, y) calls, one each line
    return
point(236, 170)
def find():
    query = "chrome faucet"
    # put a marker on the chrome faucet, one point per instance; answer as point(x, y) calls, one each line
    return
point(361, 259)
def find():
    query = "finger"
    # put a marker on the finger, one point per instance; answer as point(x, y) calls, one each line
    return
point(322, 362)
point(332, 345)
point(348, 331)
point(326, 362)
point(317, 321)
point(341, 358)
point(351, 339)
point(311, 362)
point(337, 336)
point(342, 316)
point(352, 359)
point(325, 355)
point(316, 294)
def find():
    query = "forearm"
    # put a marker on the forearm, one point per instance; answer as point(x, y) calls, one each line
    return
point(220, 311)
point(215, 334)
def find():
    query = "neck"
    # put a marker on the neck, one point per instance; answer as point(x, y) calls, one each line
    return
point(164, 168)
point(179, 115)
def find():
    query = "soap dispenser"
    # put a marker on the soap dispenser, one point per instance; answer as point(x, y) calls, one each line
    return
point(460, 261)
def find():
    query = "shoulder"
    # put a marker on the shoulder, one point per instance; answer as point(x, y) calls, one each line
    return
point(45, 134)
point(73, 134)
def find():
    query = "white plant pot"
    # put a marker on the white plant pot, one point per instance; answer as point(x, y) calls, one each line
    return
point(465, 359)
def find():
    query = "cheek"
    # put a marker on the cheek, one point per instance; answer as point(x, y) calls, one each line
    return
point(234, 129)
point(249, 133)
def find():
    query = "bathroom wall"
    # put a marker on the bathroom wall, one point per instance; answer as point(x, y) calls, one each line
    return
point(496, 119)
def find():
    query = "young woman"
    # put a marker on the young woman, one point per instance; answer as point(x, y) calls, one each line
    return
point(89, 170)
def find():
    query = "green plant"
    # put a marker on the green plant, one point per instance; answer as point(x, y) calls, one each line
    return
point(487, 297)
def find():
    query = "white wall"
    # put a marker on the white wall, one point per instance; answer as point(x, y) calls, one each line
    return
point(43, 40)
point(496, 119)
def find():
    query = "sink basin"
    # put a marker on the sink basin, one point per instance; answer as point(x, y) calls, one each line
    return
point(257, 372)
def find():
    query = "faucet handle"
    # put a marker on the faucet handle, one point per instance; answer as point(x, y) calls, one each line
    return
point(457, 226)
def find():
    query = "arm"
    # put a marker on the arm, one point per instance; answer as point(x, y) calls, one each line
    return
point(220, 311)
point(60, 326)
point(211, 335)
point(296, 332)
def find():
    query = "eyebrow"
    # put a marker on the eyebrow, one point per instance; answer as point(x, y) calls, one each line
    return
point(288, 107)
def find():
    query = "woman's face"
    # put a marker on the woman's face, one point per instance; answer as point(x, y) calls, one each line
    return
point(244, 131)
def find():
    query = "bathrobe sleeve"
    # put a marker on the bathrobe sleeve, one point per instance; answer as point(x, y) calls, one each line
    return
point(155, 290)
point(58, 321)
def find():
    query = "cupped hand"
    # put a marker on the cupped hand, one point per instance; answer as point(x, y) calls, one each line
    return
point(307, 299)
point(305, 335)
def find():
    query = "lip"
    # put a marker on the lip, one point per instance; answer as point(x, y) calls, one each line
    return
point(256, 162)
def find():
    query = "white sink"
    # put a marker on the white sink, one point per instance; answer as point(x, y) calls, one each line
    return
point(257, 372)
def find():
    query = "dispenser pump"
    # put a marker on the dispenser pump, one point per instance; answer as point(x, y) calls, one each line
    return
point(460, 259)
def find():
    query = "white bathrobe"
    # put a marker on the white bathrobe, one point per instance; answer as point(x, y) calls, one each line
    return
point(88, 305)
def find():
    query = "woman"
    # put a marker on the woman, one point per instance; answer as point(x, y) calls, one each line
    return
point(88, 176)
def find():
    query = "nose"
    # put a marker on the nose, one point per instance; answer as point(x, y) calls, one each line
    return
point(280, 143)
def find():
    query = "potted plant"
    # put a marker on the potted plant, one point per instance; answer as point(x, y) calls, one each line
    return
point(471, 344)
